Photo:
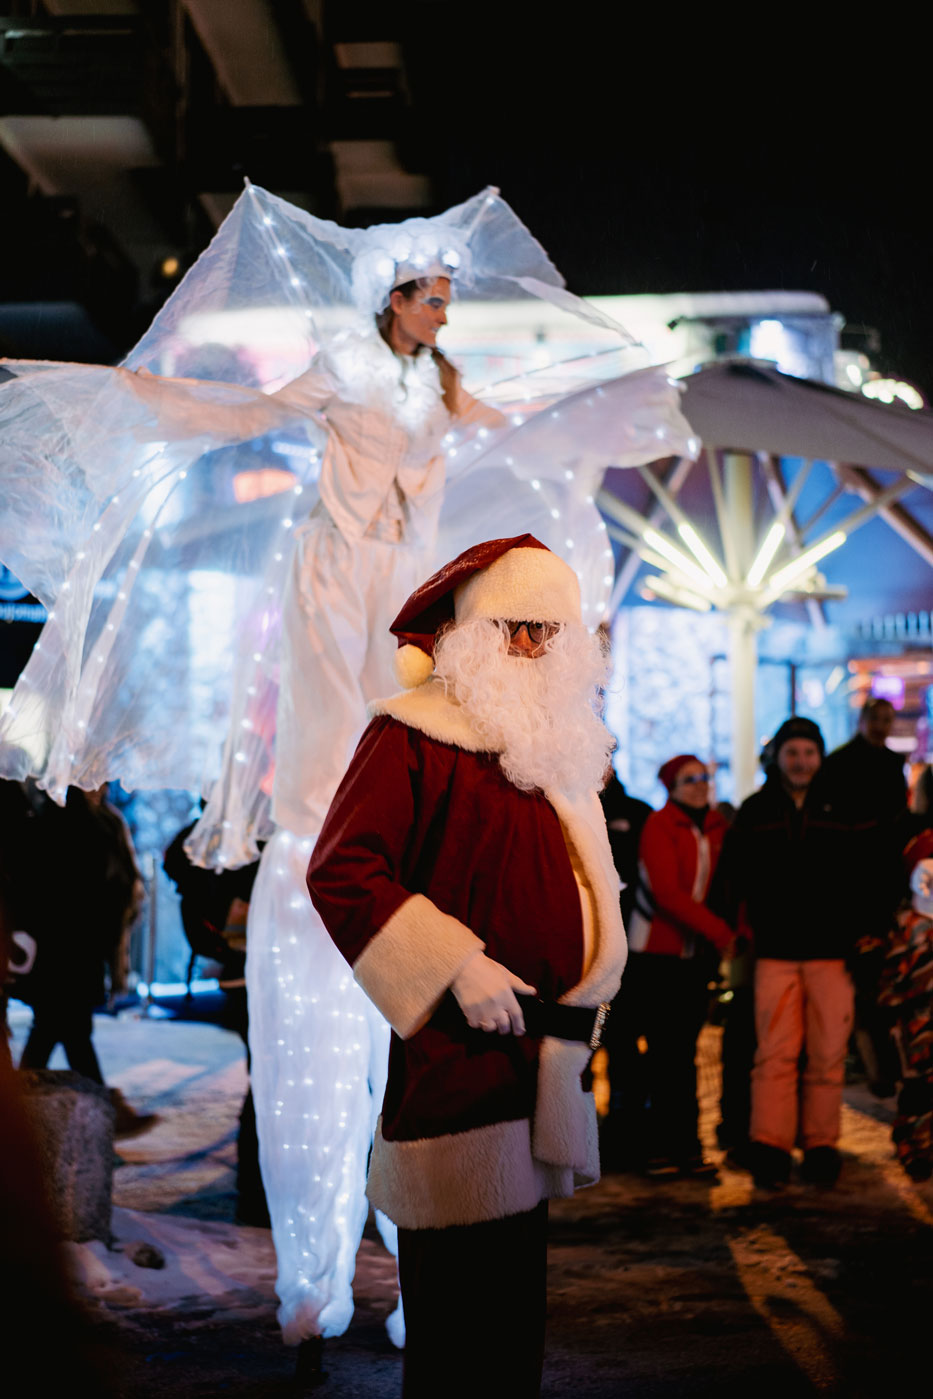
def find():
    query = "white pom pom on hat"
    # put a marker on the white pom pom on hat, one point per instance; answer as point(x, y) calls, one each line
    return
point(413, 666)
point(517, 579)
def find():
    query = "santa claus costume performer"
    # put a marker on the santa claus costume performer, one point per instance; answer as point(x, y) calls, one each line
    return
point(464, 872)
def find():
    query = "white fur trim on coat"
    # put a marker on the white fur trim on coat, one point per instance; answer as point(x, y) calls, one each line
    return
point(407, 967)
point(463, 1177)
point(431, 711)
point(522, 585)
point(563, 1125)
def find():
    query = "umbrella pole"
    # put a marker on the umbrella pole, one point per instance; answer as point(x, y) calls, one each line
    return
point(744, 621)
point(743, 656)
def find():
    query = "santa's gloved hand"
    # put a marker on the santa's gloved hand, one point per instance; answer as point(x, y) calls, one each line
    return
point(485, 991)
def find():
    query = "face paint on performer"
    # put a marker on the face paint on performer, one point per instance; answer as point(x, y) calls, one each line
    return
point(418, 318)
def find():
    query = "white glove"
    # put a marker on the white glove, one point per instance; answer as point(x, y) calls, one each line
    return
point(485, 991)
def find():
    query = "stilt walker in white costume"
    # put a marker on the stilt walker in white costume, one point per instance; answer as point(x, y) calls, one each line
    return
point(120, 513)
point(389, 397)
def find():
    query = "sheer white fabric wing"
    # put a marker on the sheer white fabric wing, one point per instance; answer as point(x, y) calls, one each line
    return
point(540, 473)
point(164, 564)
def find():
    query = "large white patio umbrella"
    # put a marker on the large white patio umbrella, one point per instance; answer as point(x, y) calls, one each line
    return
point(751, 417)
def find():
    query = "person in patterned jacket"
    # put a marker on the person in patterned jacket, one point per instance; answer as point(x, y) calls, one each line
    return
point(906, 992)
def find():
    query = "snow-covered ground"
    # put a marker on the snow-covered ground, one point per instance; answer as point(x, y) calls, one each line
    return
point(174, 1186)
point(675, 1290)
point(205, 1265)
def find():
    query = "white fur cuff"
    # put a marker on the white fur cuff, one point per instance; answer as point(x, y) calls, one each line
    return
point(411, 962)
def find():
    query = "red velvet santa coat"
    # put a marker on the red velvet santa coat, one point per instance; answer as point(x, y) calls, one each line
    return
point(427, 854)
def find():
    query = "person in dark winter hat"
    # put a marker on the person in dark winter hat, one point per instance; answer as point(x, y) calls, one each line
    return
point(788, 863)
point(796, 727)
point(464, 872)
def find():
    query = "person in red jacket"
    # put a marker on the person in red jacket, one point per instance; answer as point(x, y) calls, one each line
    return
point(675, 943)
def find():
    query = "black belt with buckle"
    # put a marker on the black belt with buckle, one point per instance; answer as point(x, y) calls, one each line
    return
point(582, 1024)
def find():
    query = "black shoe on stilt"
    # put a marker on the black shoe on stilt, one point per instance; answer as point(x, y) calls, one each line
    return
point(309, 1367)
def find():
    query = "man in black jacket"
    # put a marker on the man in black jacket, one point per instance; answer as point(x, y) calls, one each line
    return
point(866, 779)
point(865, 772)
point(791, 861)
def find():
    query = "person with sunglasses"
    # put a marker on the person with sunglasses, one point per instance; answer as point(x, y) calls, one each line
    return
point(675, 943)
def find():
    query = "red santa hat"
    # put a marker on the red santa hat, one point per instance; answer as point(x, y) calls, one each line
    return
point(517, 579)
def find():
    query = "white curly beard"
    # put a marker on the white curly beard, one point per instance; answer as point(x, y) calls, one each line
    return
point(541, 715)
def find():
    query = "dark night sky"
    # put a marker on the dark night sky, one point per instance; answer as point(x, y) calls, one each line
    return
point(648, 157)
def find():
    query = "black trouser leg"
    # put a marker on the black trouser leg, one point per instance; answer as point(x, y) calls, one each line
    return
point(624, 1133)
point(78, 1045)
point(251, 1194)
point(475, 1301)
point(42, 1039)
point(873, 1023)
point(68, 1026)
point(738, 1056)
point(674, 1001)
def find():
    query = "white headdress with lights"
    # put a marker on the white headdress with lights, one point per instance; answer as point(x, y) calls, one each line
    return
point(270, 254)
point(377, 271)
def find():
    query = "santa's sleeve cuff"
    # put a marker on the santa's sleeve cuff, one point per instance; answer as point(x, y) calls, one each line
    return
point(411, 962)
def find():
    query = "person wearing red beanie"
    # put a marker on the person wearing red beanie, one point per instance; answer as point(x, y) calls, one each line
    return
point(675, 943)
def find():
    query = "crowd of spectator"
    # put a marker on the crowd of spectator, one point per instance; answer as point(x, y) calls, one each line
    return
point(796, 920)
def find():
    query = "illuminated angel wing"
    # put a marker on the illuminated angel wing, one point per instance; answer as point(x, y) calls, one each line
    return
point(541, 473)
point(163, 558)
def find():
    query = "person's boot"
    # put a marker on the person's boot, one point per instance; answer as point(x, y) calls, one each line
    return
point(821, 1165)
point(128, 1122)
point(698, 1168)
point(769, 1165)
point(739, 1155)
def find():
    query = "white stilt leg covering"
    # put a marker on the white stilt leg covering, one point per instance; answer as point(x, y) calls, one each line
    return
point(315, 1040)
